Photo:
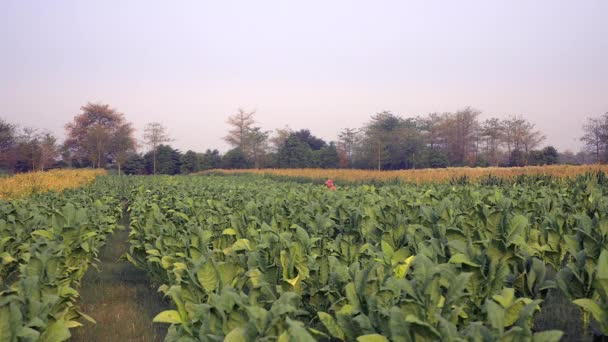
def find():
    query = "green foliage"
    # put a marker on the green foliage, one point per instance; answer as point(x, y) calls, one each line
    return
point(210, 160)
point(134, 165)
point(168, 160)
point(235, 159)
point(189, 162)
point(327, 157)
point(294, 153)
point(247, 258)
point(47, 243)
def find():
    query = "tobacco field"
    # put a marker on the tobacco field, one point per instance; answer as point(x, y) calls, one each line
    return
point(247, 258)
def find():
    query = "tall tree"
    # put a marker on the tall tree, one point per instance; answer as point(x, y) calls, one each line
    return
point(514, 130)
point(190, 162)
point(460, 131)
point(595, 136)
point(123, 144)
point(521, 135)
point(155, 134)
point(347, 140)
point(382, 131)
point(279, 137)
point(168, 160)
point(433, 129)
point(312, 141)
point(235, 159)
point(48, 150)
point(28, 150)
point(327, 157)
point(258, 140)
point(8, 140)
point(90, 135)
point(135, 164)
point(241, 124)
point(294, 153)
point(492, 135)
point(211, 159)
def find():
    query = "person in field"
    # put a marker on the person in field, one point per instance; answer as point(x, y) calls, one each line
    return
point(330, 185)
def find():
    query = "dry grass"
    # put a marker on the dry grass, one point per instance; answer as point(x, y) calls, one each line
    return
point(121, 299)
point(425, 175)
point(25, 184)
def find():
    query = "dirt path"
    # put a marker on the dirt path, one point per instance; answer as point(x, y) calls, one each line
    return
point(120, 298)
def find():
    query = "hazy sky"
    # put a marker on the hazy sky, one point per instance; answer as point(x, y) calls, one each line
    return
point(322, 65)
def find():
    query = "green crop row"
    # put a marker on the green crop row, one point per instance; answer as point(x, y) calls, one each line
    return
point(47, 242)
point(251, 259)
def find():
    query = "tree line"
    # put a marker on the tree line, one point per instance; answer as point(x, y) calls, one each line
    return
point(100, 136)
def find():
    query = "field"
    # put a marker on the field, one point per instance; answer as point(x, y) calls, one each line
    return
point(422, 176)
point(511, 258)
point(26, 184)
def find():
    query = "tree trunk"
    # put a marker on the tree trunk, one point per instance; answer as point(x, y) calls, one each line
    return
point(379, 151)
point(154, 162)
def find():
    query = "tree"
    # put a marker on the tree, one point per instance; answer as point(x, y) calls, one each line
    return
point(90, 135)
point(190, 162)
point(551, 156)
point(294, 153)
point(596, 136)
point(34, 150)
point(520, 135)
point(134, 164)
point(28, 150)
point(235, 159)
point(48, 150)
point(433, 130)
point(241, 125)
point(381, 137)
point(532, 139)
point(327, 157)
point(460, 133)
point(123, 144)
point(348, 139)
point(258, 140)
point(279, 137)
point(8, 140)
point(437, 158)
point(211, 160)
point(492, 135)
point(306, 137)
point(168, 160)
point(155, 134)
point(517, 158)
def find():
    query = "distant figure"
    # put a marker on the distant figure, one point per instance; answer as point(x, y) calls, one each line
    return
point(330, 185)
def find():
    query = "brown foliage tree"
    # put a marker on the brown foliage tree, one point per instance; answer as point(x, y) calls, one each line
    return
point(92, 135)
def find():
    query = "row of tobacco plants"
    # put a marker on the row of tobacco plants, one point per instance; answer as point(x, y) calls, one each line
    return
point(47, 242)
point(247, 258)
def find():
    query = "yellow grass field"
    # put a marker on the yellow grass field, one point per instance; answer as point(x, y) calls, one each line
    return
point(425, 175)
point(26, 184)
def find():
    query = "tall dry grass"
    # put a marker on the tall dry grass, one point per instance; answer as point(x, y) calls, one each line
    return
point(425, 175)
point(25, 184)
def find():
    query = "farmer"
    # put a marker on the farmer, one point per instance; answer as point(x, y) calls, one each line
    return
point(330, 185)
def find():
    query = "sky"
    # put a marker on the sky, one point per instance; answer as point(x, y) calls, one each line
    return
point(321, 65)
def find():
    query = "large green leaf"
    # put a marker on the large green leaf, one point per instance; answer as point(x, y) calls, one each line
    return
point(168, 316)
point(55, 332)
point(372, 338)
point(331, 325)
point(207, 276)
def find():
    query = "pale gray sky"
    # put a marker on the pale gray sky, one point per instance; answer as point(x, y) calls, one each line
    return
point(322, 65)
